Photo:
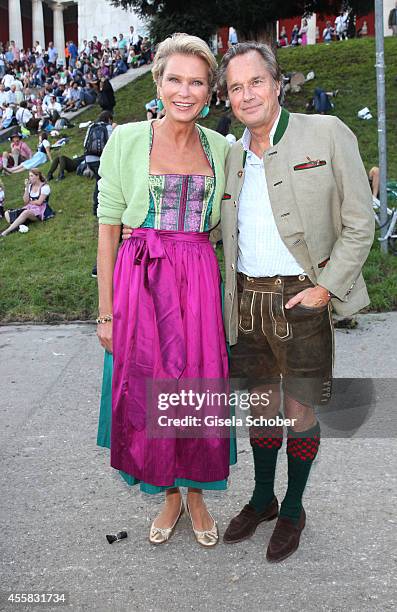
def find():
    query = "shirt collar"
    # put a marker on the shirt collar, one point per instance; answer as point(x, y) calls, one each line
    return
point(246, 138)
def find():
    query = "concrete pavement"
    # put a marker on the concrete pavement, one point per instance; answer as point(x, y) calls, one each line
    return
point(59, 497)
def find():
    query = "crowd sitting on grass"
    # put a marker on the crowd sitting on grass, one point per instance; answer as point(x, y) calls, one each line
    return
point(36, 88)
point(37, 191)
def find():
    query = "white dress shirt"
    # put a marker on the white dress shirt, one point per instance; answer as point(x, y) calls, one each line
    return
point(8, 80)
point(261, 252)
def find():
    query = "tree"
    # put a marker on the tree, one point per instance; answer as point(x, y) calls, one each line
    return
point(197, 21)
point(168, 16)
point(253, 19)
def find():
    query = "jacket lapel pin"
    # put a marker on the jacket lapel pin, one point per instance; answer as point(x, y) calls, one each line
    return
point(311, 163)
point(227, 196)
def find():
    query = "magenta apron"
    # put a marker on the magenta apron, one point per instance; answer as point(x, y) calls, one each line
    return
point(167, 324)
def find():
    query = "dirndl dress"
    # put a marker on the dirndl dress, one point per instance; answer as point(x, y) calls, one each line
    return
point(38, 159)
point(167, 325)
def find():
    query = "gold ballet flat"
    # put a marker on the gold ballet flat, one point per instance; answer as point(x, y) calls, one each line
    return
point(159, 535)
point(206, 538)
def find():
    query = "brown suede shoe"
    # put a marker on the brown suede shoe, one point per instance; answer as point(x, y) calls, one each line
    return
point(243, 525)
point(285, 538)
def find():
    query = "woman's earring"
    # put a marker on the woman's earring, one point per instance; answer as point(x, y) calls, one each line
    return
point(204, 111)
point(160, 105)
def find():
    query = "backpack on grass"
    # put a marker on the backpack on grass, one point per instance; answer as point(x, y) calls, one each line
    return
point(96, 139)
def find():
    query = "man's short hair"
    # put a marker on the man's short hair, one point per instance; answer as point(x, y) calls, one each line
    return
point(265, 52)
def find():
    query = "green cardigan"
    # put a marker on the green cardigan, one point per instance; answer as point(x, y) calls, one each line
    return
point(124, 170)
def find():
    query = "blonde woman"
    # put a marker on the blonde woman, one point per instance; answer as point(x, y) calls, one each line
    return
point(159, 294)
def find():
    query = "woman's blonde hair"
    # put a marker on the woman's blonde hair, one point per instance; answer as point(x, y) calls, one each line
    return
point(185, 44)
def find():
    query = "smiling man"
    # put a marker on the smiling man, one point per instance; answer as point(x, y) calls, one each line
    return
point(297, 226)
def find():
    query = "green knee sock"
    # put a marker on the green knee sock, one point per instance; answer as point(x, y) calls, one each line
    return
point(265, 460)
point(301, 452)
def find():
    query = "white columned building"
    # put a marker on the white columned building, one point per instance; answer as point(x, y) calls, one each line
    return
point(38, 23)
point(100, 18)
point(59, 31)
point(15, 22)
point(95, 17)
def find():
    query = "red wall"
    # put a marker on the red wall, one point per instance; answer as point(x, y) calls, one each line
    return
point(3, 25)
point(71, 32)
point(27, 32)
point(370, 19)
point(321, 21)
point(48, 34)
point(224, 34)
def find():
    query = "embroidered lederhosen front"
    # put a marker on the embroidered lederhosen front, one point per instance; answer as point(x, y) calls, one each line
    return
point(273, 342)
point(271, 298)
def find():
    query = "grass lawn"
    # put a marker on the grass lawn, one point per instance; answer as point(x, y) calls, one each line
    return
point(45, 274)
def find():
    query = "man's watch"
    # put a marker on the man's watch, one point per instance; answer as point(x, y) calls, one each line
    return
point(329, 294)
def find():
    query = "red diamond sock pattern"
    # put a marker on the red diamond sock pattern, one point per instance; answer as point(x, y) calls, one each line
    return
point(267, 442)
point(303, 448)
point(267, 437)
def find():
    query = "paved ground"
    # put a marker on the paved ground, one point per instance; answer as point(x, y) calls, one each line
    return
point(59, 497)
point(123, 79)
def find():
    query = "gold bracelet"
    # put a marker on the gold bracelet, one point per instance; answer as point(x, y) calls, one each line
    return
point(105, 319)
